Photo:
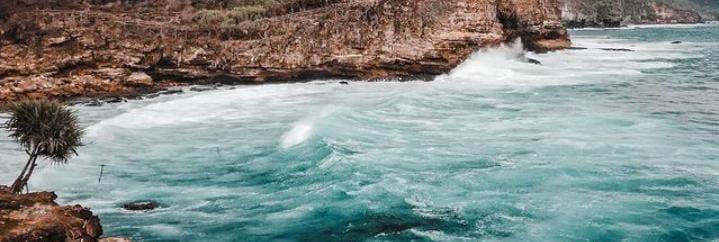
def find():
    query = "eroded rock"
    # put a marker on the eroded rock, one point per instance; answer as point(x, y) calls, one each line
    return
point(121, 54)
point(139, 79)
point(36, 217)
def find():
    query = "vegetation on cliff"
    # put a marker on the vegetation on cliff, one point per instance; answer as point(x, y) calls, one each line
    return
point(97, 48)
point(44, 129)
point(613, 13)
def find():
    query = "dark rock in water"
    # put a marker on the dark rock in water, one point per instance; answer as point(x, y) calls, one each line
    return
point(202, 88)
point(80, 101)
point(533, 61)
point(592, 23)
point(612, 23)
point(617, 49)
point(172, 91)
point(676, 42)
point(94, 103)
point(140, 206)
point(153, 95)
point(115, 100)
point(577, 48)
point(344, 83)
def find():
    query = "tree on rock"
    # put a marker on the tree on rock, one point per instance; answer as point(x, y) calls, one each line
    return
point(45, 129)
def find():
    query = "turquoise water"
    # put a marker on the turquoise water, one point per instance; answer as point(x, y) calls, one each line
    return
point(591, 146)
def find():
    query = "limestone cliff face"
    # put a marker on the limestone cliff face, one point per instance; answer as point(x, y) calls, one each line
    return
point(614, 13)
point(87, 50)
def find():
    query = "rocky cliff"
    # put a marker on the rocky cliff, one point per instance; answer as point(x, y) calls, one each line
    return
point(36, 217)
point(99, 48)
point(615, 13)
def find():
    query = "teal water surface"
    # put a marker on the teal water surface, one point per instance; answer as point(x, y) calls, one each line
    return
point(592, 145)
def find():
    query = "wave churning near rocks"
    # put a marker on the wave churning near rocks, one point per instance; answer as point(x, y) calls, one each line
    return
point(497, 149)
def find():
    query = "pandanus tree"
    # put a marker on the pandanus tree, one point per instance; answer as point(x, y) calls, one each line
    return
point(44, 129)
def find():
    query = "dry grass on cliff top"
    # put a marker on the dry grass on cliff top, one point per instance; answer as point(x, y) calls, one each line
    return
point(228, 13)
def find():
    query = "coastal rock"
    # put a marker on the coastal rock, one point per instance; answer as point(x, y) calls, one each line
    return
point(140, 205)
point(202, 88)
point(36, 217)
point(618, 13)
point(139, 79)
point(617, 49)
point(96, 51)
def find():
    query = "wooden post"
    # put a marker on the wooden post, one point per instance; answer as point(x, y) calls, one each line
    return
point(102, 169)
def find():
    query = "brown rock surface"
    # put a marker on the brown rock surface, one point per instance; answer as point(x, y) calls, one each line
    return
point(87, 50)
point(615, 13)
point(36, 217)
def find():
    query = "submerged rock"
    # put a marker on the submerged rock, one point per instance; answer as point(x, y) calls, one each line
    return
point(533, 61)
point(171, 91)
point(617, 49)
point(115, 100)
point(140, 205)
point(344, 83)
point(676, 42)
point(202, 88)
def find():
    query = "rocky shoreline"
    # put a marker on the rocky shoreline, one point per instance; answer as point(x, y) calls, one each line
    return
point(613, 14)
point(63, 52)
point(37, 217)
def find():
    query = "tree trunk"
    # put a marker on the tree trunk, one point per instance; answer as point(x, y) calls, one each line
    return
point(29, 173)
point(17, 185)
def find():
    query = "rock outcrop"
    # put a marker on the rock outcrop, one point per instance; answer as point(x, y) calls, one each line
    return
point(36, 217)
point(615, 13)
point(81, 49)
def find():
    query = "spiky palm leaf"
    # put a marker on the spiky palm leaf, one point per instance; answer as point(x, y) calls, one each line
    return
point(47, 126)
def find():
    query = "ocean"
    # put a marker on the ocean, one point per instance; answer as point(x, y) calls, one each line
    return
point(591, 145)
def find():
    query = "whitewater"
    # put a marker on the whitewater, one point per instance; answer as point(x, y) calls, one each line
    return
point(591, 145)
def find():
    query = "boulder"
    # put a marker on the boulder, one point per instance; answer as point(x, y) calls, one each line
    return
point(37, 217)
point(139, 79)
point(140, 205)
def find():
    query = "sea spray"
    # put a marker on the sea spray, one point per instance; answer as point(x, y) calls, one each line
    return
point(591, 145)
point(302, 130)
